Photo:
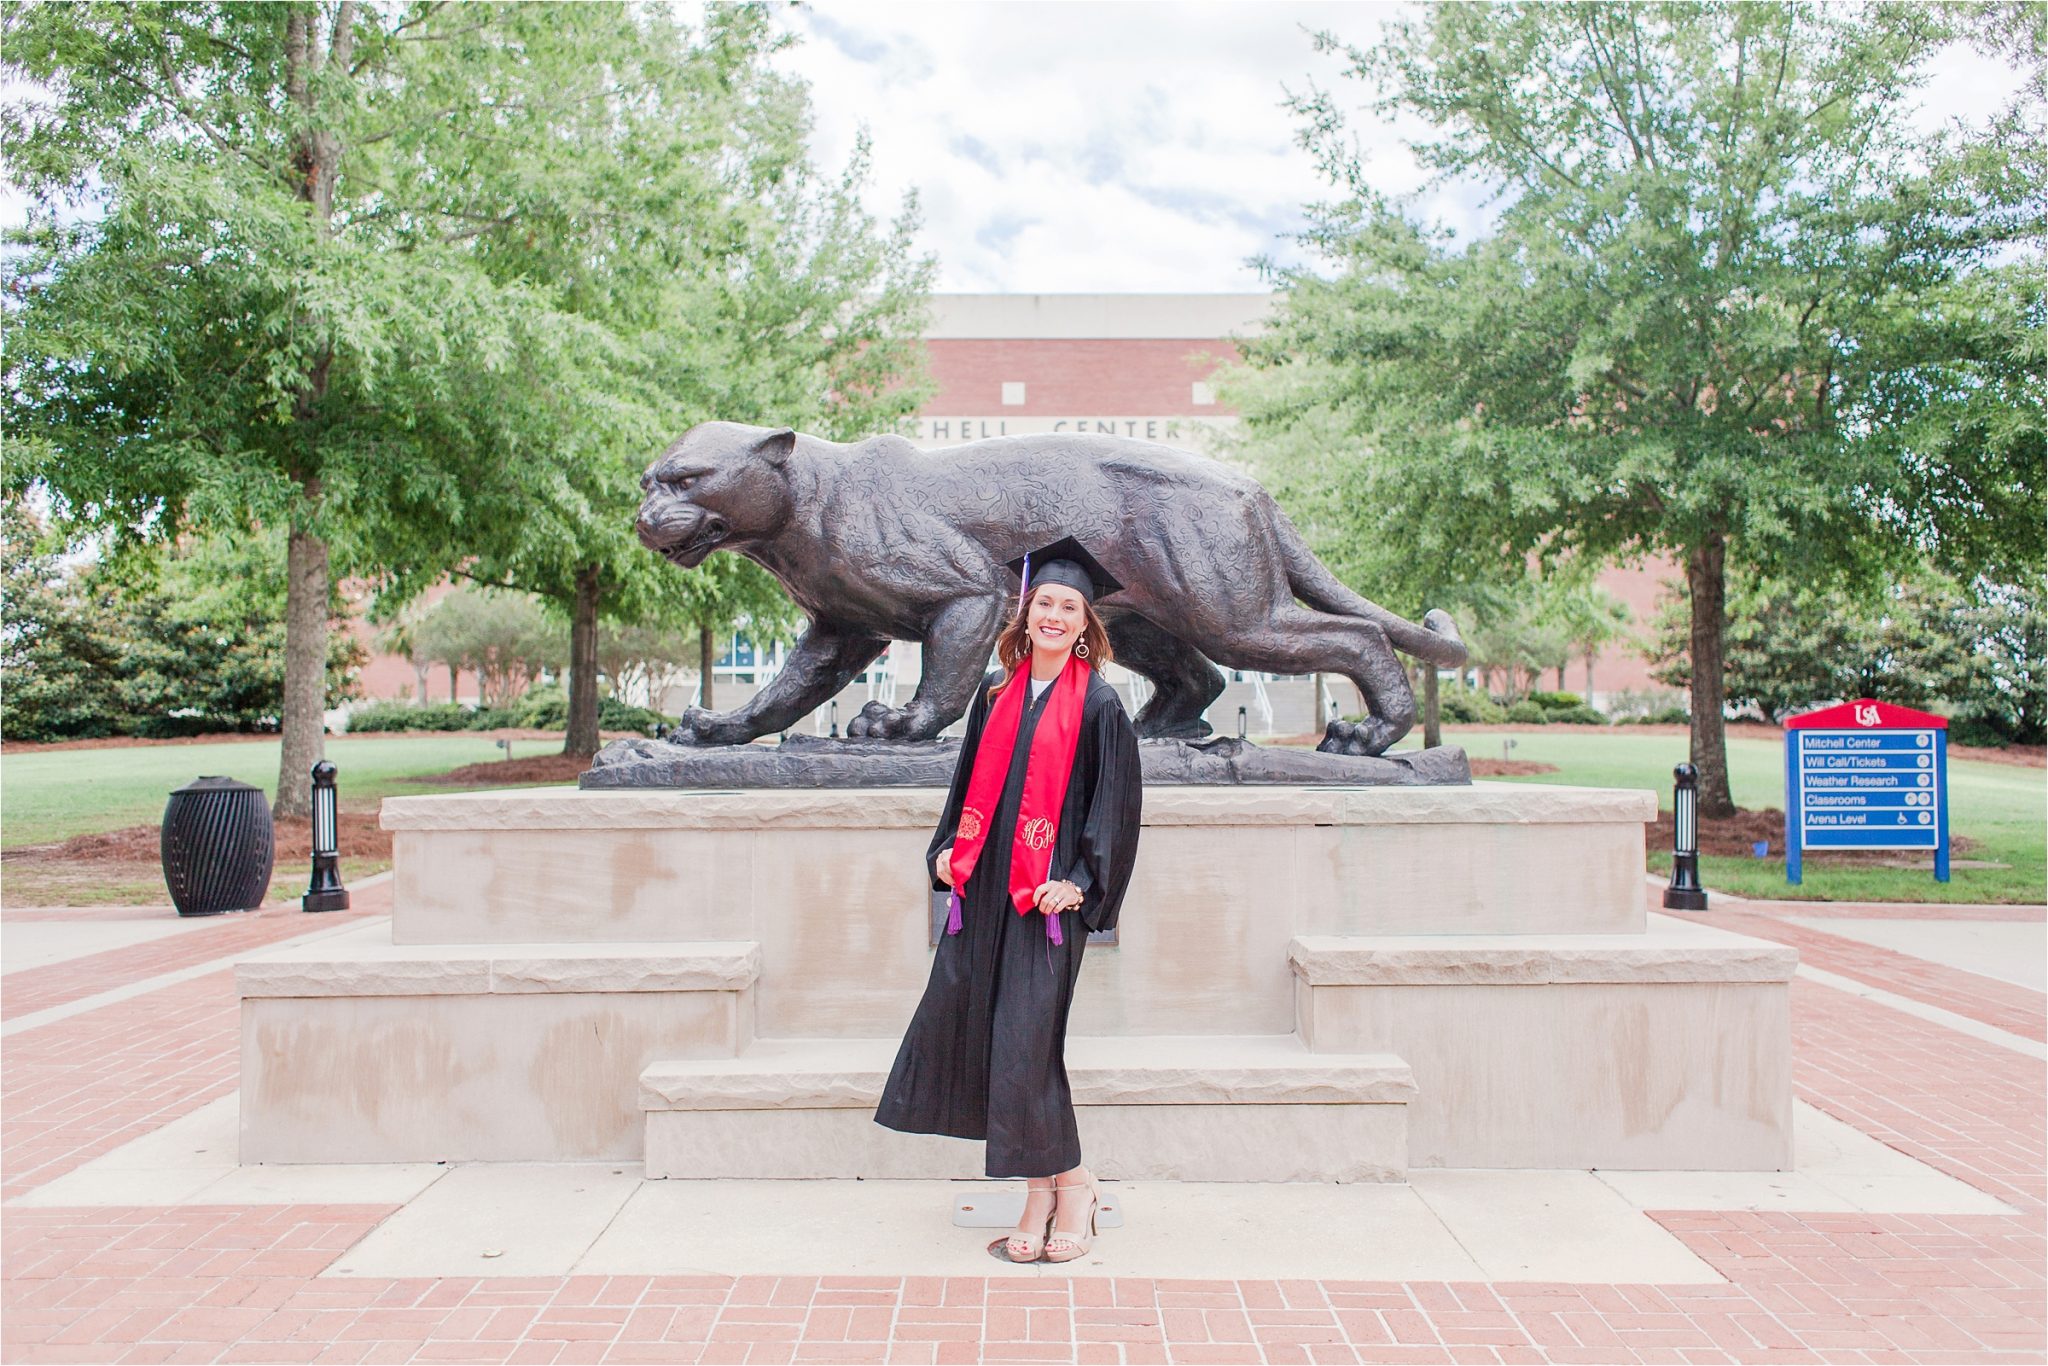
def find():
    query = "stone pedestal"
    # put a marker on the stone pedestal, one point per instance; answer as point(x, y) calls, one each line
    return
point(699, 956)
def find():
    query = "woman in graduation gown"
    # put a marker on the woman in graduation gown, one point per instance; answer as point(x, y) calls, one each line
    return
point(1037, 840)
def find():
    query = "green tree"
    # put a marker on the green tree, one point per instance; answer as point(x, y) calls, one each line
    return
point(1974, 653)
point(2007, 627)
point(56, 650)
point(504, 637)
point(1593, 619)
point(1305, 444)
point(250, 286)
point(1520, 627)
point(732, 282)
point(422, 283)
point(178, 639)
point(642, 661)
point(1731, 304)
point(201, 628)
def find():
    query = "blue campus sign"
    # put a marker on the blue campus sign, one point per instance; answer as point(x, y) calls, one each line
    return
point(1866, 775)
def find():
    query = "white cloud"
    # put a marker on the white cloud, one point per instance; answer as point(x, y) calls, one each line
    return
point(1079, 147)
point(1099, 146)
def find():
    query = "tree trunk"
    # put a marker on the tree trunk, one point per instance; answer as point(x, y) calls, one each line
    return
point(1589, 678)
point(583, 736)
point(1560, 676)
point(1707, 585)
point(305, 672)
point(707, 656)
point(316, 157)
point(1432, 727)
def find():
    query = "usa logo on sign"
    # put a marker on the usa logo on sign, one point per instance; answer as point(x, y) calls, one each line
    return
point(1866, 714)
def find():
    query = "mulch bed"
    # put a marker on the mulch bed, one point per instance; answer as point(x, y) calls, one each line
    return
point(1507, 768)
point(235, 737)
point(142, 844)
point(2020, 756)
point(540, 768)
point(1735, 837)
point(360, 837)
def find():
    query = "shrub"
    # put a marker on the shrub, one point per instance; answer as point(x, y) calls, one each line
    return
point(1977, 730)
point(381, 716)
point(1665, 716)
point(548, 709)
point(613, 714)
point(398, 716)
point(1578, 716)
point(162, 641)
point(493, 718)
point(172, 725)
point(1459, 707)
point(544, 708)
point(1526, 712)
point(1557, 701)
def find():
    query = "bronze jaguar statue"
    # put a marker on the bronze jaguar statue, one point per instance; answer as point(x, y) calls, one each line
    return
point(879, 540)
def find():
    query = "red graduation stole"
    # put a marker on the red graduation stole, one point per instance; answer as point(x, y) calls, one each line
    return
point(1046, 770)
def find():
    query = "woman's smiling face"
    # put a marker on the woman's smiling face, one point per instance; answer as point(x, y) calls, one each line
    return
point(1056, 617)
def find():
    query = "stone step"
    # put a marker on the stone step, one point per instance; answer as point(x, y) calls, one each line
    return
point(1665, 1050)
point(1192, 1108)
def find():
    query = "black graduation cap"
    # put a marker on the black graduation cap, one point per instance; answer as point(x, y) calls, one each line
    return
point(1068, 563)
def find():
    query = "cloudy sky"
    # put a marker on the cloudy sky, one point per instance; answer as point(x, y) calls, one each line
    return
point(1081, 146)
point(1093, 146)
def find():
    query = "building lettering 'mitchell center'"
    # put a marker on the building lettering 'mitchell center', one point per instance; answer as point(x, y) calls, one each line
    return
point(1132, 365)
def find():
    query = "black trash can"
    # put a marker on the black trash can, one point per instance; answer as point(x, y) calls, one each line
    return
point(218, 846)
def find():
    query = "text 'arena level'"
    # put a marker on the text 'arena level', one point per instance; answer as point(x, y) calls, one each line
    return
point(1866, 775)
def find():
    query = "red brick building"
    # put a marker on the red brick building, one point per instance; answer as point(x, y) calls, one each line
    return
point(1133, 365)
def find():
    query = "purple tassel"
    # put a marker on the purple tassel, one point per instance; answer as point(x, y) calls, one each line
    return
point(1052, 928)
point(953, 912)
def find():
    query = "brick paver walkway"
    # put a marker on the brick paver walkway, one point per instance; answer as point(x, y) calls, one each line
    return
point(2006, 1005)
point(33, 989)
point(242, 1284)
point(1893, 910)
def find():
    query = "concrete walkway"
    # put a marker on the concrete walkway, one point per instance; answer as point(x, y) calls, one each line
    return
point(1912, 1229)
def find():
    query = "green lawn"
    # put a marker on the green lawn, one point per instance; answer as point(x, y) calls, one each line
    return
point(2001, 806)
point(51, 795)
point(55, 794)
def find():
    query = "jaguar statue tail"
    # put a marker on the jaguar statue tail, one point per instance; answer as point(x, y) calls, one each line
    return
point(1435, 641)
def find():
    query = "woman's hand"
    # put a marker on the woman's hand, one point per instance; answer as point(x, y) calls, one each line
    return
point(942, 866)
point(1054, 897)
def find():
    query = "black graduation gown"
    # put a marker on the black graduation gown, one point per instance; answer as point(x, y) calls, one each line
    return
point(985, 1054)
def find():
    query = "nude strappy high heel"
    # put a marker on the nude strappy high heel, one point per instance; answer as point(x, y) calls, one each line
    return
point(1077, 1245)
point(1034, 1244)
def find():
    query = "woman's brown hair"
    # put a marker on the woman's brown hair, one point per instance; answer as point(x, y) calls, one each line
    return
point(1013, 646)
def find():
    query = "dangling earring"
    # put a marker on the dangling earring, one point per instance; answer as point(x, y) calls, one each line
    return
point(1081, 648)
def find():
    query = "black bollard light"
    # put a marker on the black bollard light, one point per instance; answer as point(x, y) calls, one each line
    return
point(1240, 723)
point(1685, 892)
point(325, 893)
point(835, 720)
